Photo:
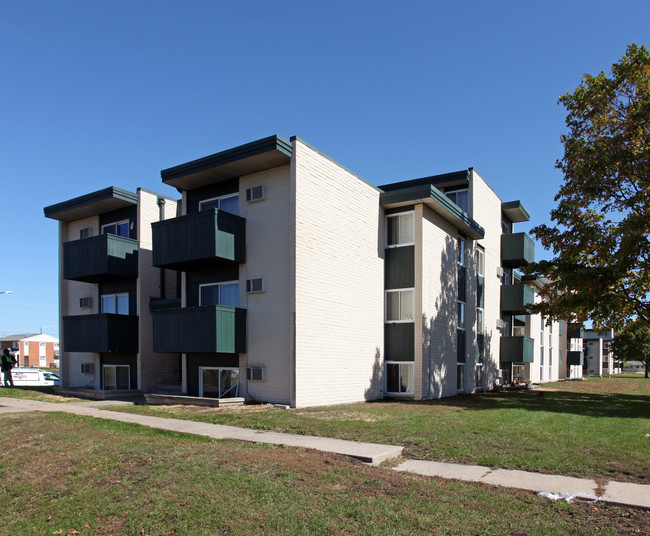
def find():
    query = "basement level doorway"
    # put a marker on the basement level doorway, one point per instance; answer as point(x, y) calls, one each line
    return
point(218, 382)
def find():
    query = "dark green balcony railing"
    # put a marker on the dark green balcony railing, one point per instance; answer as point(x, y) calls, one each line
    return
point(517, 249)
point(100, 333)
point(575, 331)
point(199, 238)
point(100, 258)
point(575, 358)
point(211, 329)
point(517, 349)
point(515, 297)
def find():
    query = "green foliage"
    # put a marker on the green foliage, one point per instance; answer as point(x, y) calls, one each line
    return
point(602, 220)
point(633, 344)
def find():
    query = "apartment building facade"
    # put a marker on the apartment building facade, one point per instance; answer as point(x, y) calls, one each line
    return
point(41, 350)
point(289, 279)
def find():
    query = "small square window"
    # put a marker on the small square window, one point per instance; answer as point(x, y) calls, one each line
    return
point(256, 193)
point(255, 285)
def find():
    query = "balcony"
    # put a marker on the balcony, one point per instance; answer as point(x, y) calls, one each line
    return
point(575, 331)
point(517, 349)
point(199, 239)
point(108, 333)
point(514, 298)
point(210, 329)
point(517, 250)
point(575, 358)
point(100, 258)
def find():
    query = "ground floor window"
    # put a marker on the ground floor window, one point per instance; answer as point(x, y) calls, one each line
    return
point(218, 382)
point(399, 378)
point(117, 377)
point(518, 372)
point(460, 376)
point(479, 376)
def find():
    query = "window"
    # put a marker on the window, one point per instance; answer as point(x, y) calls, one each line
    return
point(120, 228)
point(255, 374)
point(460, 197)
point(255, 285)
point(461, 315)
point(86, 232)
point(218, 382)
point(399, 305)
point(480, 261)
point(227, 203)
point(226, 293)
point(117, 304)
point(256, 193)
point(479, 376)
point(461, 251)
point(399, 378)
point(26, 349)
point(117, 377)
point(460, 377)
point(85, 303)
point(399, 229)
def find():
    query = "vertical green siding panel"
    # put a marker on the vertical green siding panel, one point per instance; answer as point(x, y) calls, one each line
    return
point(399, 267)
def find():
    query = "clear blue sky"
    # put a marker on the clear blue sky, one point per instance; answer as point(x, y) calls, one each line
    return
point(98, 93)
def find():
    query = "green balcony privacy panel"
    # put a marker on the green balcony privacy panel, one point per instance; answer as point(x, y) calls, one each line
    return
point(575, 358)
point(515, 297)
point(575, 331)
point(517, 349)
point(209, 329)
point(517, 249)
point(103, 333)
point(199, 238)
point(100, 258)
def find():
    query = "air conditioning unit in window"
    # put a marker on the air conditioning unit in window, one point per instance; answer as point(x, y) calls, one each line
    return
point(500, 324)
point(499, 272)
point(256, 193)
point(85, 303)
point(88, 368)
point(86, 232)
point(255, 285)
point(255, 374)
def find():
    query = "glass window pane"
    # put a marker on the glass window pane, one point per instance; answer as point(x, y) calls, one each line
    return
point(406, 380)
point(209, 295)
point(209, 205)
point(210, 379)
point(406, 229)
point(230, 204)
point(229, 295)
point(406, 305)
point(109, 229)
point(122, 304)
point(461, 315)
point(392, 305)
point(109, 378)
point(462, 200)
point(122, 377)
point(123, 229)
point(392, 230)
point(392, 378)
point(460, 377)
point(108, 304)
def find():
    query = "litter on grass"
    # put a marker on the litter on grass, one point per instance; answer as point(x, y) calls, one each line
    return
point(568, 497)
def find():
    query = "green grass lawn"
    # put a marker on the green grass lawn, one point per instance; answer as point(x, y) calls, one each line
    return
point(595, 428)
point(66, 474)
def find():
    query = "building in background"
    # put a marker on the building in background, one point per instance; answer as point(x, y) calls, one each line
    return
point(599, 358)
point(38, 351)
point(282, 276)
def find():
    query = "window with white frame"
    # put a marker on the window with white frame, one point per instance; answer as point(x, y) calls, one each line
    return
point(227, 203)
point(399, 305)
point(400, 229)
point(255, 285)
point(117, 304)
point(256, 193)
point(224, 293)
point(399, 378)
point(119, 228)
point(460, 198)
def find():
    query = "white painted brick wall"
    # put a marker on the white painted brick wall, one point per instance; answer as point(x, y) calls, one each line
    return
point(339, 300)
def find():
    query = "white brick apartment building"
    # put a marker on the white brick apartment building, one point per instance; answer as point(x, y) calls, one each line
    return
point(281, 276)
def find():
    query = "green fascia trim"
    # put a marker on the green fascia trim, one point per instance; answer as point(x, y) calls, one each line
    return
point(90, 204)
point(454, 176)
point(435, 199)
point(515, 211)
point(272, 143)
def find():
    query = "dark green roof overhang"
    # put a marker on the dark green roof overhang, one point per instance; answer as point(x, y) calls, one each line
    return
point(259, 155)
point(515, 211)
point(92, 204)
point(455, 178)
point(436, 201)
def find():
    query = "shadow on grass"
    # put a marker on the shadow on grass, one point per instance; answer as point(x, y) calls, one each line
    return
point(587, 404)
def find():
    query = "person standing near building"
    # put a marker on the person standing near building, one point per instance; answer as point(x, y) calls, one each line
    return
point(8, 361)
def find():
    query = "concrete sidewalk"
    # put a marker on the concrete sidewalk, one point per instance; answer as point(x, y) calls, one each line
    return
point(621, 493)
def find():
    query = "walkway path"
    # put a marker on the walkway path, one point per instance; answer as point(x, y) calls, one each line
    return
point(622, 493)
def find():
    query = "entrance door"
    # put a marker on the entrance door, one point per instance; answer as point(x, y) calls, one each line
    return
point(218, 382)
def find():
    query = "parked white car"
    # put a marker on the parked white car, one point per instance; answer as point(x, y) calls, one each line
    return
point(33, 377)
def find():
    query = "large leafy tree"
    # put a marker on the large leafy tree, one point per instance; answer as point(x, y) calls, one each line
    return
point(633, 344)
point(600, 240)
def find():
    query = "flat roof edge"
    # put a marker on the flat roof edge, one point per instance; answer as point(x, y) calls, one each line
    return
point(112, 192)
